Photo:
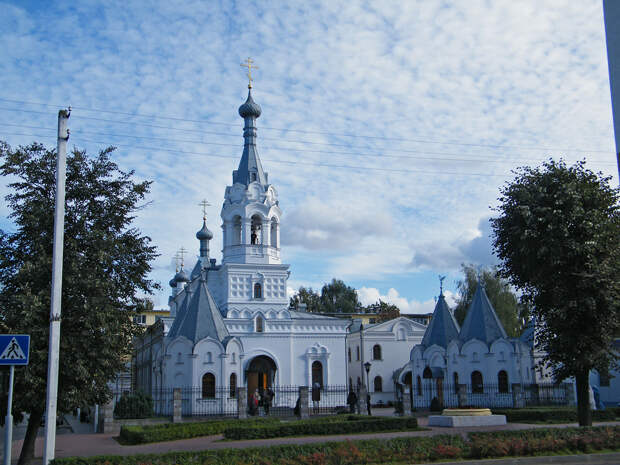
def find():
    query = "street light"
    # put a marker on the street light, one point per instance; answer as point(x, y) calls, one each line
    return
point(367, 366)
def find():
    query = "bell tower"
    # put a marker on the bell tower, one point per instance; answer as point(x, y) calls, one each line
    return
point(251, 214)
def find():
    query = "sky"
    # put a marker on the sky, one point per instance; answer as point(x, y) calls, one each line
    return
point(387, 128)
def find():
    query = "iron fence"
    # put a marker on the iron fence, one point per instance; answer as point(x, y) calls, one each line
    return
point(489, 395)
point(328, 399)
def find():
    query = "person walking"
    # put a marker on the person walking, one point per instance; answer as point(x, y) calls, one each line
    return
point(253, 401)
point(368, 403)
point(351, 400)
point(268, 396)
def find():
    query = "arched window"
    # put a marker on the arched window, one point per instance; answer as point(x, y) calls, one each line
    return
point(236, 239)
point(455, 378)
point(419, 385)
point(474, 357)
point(274, 232)
point(476, 382)
point(357, 352)
point(317, 373)
point(208, 357)
point(259, 325)
point(258, 291)
point(378, 384)
point(376, 352)
point(400, 335)
point(232, 385)
point(502, 381)
point(255, 230)
point(179, 359)
point(349, 354)
point(427, 373)
point(208, 386)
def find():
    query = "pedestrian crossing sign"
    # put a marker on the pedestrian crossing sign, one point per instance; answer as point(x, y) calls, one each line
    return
point(14, 349)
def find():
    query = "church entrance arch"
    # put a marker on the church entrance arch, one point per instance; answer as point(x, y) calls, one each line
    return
point(260, 374)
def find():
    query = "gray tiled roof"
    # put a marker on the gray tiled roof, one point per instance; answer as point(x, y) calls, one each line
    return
point(199, 316)
point(481, 321)
point(250, 161)
point(442, 328)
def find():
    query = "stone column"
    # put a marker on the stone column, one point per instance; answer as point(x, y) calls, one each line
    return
point(569, 392)
point(176, 405)
point(303, 402)
point(266, 232)
point(407, 401)
point(462, 394)
point(109, 424)
point(361, 401)
point(246, 232)
point(517, 396)
point(242, 402)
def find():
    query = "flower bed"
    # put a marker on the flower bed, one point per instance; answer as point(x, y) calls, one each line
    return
point(405, 450)
point(553, 414)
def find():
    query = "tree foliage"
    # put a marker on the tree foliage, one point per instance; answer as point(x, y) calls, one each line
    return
point(558, 236)
point(384, 311)
point(105, 267)
point(335, 297)
point(307, 296)
point(510, 311)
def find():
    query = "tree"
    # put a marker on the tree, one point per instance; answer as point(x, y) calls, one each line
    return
point(308, 297)
point(386, 311)
point(558, 236)
point(512, 313)
point(105, 267)
point(337, 297)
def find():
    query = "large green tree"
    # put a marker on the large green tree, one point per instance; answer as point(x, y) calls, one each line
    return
point(558, 236)
point(105, 273)
point(337, 297)
point(307, 296)
point(510, 311)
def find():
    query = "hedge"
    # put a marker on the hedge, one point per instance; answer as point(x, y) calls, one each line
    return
point(351, 424)
point(406, 450)
point(173, 431)
point(553, 414)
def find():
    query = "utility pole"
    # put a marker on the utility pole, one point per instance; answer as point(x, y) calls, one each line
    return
point(54, 337)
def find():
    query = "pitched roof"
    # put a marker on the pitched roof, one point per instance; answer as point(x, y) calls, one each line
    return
point(481, 321)
point(443, 327)
point(199, 316)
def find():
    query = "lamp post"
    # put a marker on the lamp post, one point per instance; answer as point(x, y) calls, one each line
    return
point(367, 366)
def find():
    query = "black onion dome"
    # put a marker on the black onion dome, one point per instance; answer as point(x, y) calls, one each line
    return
point(250, 108)
point(181, 277)
point(204, 234)
point(172, 282)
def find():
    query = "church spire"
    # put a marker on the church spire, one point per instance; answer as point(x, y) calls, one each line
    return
point(250, 168)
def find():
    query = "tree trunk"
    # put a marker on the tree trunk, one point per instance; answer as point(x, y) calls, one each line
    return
point(584, 414)
point(27, 453)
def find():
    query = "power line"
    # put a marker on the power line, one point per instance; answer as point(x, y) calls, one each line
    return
point(305, 150)
point(423, 141)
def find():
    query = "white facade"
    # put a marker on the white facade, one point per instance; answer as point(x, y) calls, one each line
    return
point(231, 323)
point(387, 347)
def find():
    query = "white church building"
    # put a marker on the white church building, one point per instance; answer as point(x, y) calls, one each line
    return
point(229, 324)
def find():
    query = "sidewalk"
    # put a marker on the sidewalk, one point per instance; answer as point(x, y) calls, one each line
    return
point(86, 445)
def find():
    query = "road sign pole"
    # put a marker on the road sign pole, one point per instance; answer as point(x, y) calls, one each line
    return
point(54, 337)
point(8, 432)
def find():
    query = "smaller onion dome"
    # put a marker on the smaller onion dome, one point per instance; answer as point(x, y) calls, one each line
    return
point(173, 282)
point(181, 277)
point(204, 234)
point(250, 108)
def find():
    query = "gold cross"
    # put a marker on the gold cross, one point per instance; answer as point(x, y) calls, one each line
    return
point(204, 204)
point(176, 259)
point(249, 64)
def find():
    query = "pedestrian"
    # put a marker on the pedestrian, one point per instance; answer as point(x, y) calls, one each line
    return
point(316, 396)
point(368, 403)
point(253, 401)
point(268, 396)
point(351, 400)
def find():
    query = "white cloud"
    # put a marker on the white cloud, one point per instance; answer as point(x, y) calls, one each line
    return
point(371, 295)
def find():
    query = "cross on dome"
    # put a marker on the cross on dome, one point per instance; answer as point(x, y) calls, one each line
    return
point(204, 204)
point(249, 64)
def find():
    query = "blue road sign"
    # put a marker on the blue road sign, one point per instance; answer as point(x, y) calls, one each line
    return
point(14, 349)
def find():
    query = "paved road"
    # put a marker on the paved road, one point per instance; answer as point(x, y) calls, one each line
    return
point(86, 445)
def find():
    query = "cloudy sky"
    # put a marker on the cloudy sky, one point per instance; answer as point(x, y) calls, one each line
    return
point(387, 127)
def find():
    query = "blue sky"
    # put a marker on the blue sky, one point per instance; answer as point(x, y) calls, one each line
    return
point(387, 128)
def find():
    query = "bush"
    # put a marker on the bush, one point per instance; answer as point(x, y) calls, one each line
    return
point(172, 431)
point(553, 414)
point(399, 450)
point(134, 405)
point(350, 424)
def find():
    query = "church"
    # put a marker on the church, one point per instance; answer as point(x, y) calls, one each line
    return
point(230, 324)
